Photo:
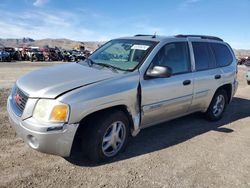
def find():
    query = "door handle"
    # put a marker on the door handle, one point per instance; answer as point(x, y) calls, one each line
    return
point(218, 76)
point(186, 82)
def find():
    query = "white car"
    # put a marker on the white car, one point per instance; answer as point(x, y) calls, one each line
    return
point(248, 76)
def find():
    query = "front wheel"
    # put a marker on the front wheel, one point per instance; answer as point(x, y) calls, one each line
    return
point(106, 136)
point(217, 106)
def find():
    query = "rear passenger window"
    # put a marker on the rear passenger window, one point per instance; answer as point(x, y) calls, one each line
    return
point(203, 56)
point(174, 55)
point(222, 54)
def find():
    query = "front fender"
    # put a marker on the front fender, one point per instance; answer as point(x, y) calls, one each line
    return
point(118, 91)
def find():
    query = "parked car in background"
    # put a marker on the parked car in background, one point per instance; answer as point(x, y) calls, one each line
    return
point(248, 76)
point(73, 55)
point(126, 85)
point(4, 56)
point(241, 61)
point(247, 62)
point(35, 54)
point(11, 52)
point(77, 55)
point(42, 54)
point(52, 54)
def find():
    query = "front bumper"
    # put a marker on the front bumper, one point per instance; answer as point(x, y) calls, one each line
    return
point(56, 139)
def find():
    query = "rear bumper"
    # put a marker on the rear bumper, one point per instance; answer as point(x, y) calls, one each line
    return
point(248, 76)
point(55, 140)
point(235, 87)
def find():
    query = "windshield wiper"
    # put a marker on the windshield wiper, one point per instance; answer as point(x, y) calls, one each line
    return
point(108, 66)
point(90, 62)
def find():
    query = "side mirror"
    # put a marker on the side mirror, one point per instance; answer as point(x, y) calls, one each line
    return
point(159, 72)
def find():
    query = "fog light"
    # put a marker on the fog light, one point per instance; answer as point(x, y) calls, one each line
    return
point(32, 141)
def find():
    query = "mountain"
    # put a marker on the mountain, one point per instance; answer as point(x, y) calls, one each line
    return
point(61, 43)
point(15, 42)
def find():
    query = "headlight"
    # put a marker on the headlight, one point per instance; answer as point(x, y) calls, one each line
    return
point(49, 110)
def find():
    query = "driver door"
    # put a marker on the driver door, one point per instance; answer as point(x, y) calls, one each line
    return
point(168, 98)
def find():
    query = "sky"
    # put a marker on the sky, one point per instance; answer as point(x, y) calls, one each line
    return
point(101, 20)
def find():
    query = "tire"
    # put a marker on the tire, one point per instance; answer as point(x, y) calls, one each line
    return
point(248, 82)
point(99, 128)
point(213, 113)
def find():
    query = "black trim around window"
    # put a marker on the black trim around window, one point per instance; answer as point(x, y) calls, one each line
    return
point(188, 57)
point(146, 55)
point(154, 43)
point(212, 64)
point(216, 66)
point(215, 56)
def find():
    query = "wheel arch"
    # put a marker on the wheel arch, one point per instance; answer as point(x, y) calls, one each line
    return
point(228, 88)
point(122, 108)
point(96, 114)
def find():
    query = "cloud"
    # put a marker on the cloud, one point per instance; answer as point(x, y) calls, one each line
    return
point(42, 23)
point(40, 3)
point(187, 3)
point(146, 28)
point(48, 24)
point(192, 1)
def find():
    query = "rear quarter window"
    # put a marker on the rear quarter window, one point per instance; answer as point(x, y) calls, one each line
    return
point(222, 54)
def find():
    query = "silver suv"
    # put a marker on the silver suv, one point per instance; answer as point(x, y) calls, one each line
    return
point(124, 86)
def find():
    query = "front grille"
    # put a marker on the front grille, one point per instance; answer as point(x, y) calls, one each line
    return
point(20, 99)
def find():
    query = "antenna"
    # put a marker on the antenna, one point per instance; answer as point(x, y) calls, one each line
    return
point(154, 36)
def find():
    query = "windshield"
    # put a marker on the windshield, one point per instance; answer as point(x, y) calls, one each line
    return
point(122, 54)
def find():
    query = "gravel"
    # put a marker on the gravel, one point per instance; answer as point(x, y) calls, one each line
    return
point(186, 152)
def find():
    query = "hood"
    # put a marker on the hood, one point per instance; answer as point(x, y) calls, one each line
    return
point(52, 81)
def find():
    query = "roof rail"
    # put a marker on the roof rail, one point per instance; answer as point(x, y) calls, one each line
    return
point(200, 36)
point(142, 35)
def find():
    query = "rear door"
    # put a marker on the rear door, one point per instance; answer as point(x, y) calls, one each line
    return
point(224, 60)
point(167, 98)
point(207, 77)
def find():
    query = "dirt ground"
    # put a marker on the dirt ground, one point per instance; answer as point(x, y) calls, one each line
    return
point(187, 152)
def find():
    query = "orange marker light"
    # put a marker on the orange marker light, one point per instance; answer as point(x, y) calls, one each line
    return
point(59, 113)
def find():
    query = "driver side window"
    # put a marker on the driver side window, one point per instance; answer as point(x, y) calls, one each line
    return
point(174, 55)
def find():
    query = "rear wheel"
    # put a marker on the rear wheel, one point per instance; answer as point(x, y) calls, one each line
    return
point(217, 106)
point(106, 136)
point(248, 82)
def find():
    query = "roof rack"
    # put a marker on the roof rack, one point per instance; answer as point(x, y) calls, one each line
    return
point(200, 36)
point(141, 35)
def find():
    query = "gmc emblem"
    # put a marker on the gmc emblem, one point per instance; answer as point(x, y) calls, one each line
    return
point(18, 99)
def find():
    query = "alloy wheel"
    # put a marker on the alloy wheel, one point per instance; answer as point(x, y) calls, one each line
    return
point(114, 138)
point(219, 105)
